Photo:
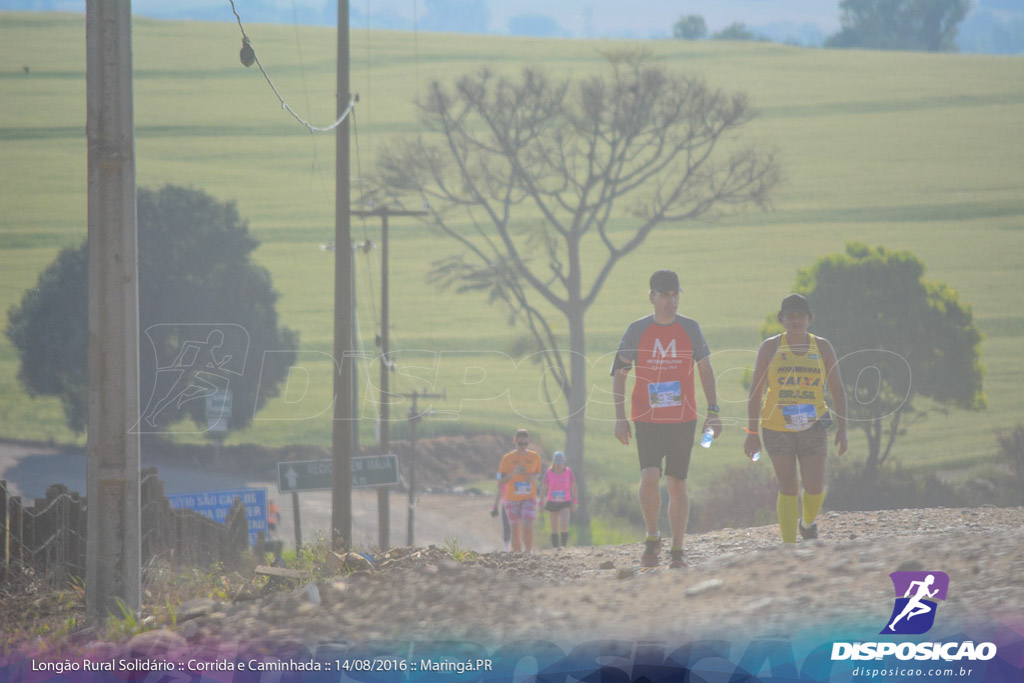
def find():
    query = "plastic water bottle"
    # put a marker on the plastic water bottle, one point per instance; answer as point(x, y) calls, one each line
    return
point(755, 457)
point(707, 437)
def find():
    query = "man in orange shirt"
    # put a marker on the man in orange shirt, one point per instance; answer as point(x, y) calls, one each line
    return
point(518, 476)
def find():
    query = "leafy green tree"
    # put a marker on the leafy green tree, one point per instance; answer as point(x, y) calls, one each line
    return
point(1012, 445)
point(527, 175)
point(898, 338)
point(197, 280)
point(734, 31)
point(690, 27)
point(925, 25)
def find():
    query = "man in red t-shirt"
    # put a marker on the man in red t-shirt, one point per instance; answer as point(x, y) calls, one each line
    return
point(664, 348)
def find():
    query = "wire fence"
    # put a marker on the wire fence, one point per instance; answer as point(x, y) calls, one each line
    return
point(49, 535)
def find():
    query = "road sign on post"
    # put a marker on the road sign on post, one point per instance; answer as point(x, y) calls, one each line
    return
point(218, 411)
point(318, 475)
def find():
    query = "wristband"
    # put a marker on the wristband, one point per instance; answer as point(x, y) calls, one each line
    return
point(713, 409)
point(754, 432)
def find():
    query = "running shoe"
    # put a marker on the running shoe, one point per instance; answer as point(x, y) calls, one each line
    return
point(678, 560)
point(809, 533)
point(652, 551)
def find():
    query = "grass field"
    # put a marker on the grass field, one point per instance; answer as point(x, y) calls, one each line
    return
point(911, 151)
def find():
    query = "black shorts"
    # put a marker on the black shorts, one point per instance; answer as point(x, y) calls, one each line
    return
point(557, 505)
point(668, 441)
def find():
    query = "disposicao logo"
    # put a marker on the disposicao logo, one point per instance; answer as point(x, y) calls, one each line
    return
point(917, 596)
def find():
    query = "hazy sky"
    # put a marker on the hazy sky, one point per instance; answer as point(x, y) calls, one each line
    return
point(605, 17)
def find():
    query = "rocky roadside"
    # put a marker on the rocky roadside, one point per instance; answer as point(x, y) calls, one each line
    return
point(741, 581)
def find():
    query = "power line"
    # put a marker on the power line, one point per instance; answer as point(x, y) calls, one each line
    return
point(249, 54)
point(416, 43)
point(315, 166)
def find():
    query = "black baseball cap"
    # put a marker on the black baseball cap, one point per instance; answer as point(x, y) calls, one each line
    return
point(665, 281)
point(795, 302)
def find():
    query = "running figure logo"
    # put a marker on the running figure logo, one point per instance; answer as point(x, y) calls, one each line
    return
point(914, 612)
point(201, 365)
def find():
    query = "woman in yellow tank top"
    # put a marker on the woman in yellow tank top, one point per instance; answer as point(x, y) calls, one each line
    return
point(787, 408)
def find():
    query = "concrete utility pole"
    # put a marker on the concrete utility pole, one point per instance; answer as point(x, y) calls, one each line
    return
point(113, 535)
point(384, 492)
point(341, 495)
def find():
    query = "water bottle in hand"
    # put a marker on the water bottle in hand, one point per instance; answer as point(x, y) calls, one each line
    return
point(707, 437)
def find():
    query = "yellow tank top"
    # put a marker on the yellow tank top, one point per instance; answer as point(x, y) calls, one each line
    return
point(795, 396)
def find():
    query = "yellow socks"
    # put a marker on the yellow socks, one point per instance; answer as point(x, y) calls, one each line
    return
point(812, 506)
point(788, 510)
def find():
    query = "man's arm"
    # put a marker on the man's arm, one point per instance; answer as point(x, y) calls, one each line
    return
point(707, 381)
point(500, 494)
point(622, 429)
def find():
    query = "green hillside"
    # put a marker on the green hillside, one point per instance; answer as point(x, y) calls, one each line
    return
point(912, 151)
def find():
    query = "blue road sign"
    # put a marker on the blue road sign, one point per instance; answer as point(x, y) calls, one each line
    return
point(216, 505)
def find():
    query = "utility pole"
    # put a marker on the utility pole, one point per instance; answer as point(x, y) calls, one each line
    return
point(383, 492)
point(113, 546)
point(414, 418)
point(341, 434)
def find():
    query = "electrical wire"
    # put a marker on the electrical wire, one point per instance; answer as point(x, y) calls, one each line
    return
point(369, 82)
point(416, 43)
point(285, 105)
point(315, 164)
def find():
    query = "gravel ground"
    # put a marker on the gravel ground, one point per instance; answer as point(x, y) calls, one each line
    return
point(740, 581)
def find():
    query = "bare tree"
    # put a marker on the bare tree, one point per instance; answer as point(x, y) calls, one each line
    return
point(540, 168)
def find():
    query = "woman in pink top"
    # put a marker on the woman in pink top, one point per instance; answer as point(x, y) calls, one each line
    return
point(558, 491)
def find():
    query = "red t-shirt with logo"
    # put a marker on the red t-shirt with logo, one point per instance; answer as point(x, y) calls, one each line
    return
point(664, 356)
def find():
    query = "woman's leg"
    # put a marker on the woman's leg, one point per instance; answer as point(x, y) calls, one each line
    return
point(812, 475)
point(555, 520)
point(787, 508)
point(517, 534)
point(564, 537)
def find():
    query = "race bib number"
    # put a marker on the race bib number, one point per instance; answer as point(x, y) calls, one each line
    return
point(665, 394)
point(523, 488)
point(558, 496)
point(799, 417)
